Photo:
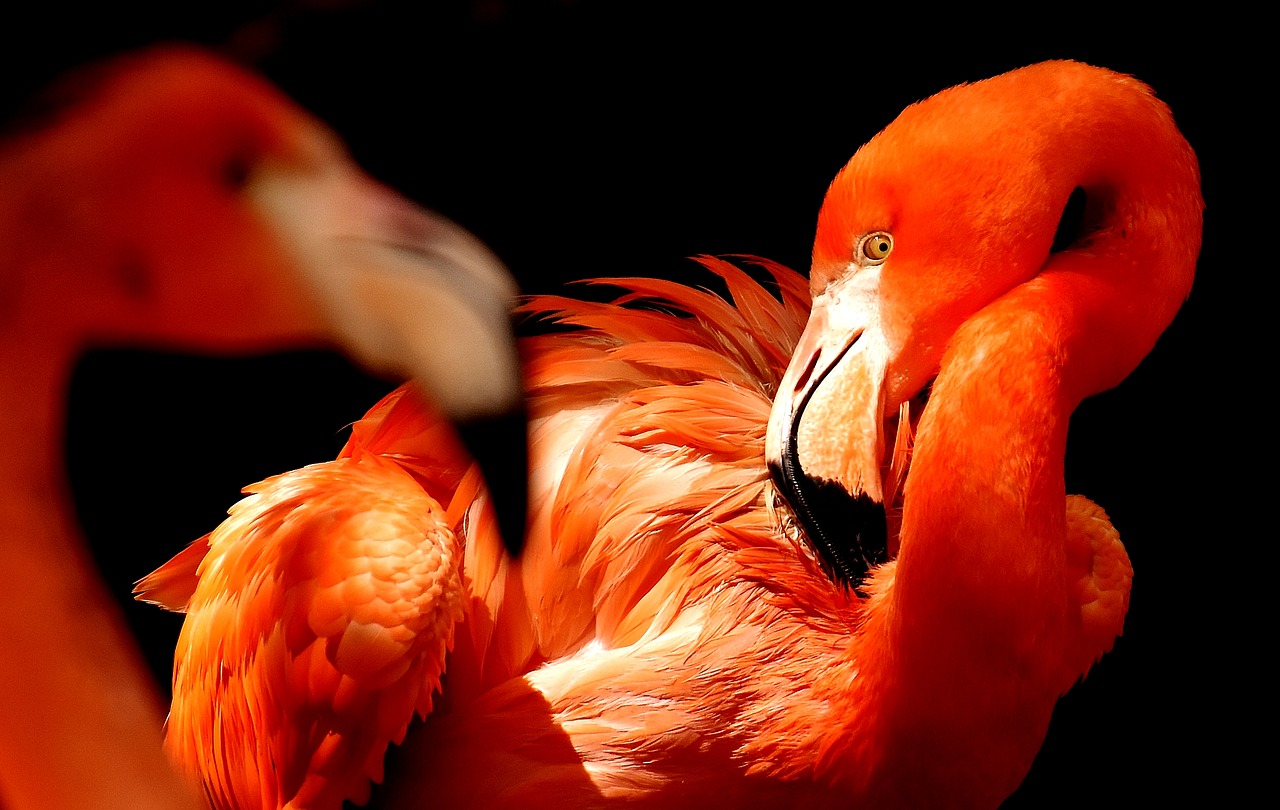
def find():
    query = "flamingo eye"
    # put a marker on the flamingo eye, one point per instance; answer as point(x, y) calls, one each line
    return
point(875, 247)
point(236, 168)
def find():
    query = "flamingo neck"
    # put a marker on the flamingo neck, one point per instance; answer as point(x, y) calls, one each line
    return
point(83, 720)
point(984, 504)
point(961, 648)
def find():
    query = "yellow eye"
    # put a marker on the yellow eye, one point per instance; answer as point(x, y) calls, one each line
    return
point(875, 247)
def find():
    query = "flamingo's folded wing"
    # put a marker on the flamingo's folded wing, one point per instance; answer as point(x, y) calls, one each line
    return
point(322, 612)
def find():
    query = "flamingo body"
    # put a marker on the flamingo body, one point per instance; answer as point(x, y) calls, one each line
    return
point(807, 544)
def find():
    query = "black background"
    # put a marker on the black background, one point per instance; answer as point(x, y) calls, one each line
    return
point(585, 139)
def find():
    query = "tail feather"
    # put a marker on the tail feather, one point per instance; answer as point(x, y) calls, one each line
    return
point(172, 585)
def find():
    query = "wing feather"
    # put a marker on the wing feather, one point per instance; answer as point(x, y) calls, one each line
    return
point(326, 606)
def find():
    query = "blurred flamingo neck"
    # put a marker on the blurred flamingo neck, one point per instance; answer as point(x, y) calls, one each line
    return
point(68, 655)
point(33, 380)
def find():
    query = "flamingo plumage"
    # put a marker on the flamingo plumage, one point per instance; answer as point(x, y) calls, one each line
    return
point(809, 543)
point(180, 201)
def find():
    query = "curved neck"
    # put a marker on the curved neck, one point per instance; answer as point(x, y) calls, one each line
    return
point(981, 594)
point(982, 557)
point(963, 645)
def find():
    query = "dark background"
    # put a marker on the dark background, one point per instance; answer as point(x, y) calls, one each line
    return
point(583, 139)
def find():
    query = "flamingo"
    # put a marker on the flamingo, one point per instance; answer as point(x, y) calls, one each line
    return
point(181, 201)
point(804, 544)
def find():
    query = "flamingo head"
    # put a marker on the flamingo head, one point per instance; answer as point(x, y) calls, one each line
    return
point(965, 197)
point(183, 201)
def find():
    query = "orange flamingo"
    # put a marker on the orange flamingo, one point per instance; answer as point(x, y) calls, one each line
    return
point(796, 548)
point(183, 202)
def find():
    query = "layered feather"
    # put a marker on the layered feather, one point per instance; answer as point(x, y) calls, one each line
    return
point(318, 625)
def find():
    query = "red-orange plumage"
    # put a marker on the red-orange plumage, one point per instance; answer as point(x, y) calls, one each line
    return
point(674, 633)
point(354, 554)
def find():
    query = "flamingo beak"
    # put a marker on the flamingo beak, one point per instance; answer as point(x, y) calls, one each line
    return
point(411, 294)
point(826, 436)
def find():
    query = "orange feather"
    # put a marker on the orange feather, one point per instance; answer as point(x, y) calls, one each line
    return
point(744, 582)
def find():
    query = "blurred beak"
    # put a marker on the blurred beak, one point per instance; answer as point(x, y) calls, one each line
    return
point(410, 294)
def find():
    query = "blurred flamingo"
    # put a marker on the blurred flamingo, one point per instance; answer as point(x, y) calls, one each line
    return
point(180, 201)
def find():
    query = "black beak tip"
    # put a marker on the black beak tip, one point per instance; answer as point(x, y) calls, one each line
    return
point(500, 446)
